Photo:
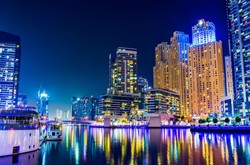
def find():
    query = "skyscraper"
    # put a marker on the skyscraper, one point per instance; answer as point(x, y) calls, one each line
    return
point(43, 103)
point(142, 89)
point(80, 107)
point(123, 71)
point(94, 108)
point(239, 37)
point(10, 56)
point(178, 69)
point(161, 74)
point(206, 72)
point(229, 76)
point(171, 69)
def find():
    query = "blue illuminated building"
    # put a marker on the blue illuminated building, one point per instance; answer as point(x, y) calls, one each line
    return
point(142, 89)
point(203, 33)
point(94, 108)
point(42, 104)
point(79, 108)
point(10, 52)
point(239, 39)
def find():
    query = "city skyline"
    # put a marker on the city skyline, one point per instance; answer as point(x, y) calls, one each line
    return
point(64, 75)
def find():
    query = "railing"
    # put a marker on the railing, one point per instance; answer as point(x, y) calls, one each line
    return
point(17, 126)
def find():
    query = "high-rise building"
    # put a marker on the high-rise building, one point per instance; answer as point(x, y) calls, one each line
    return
point(94, 108)
point(229, 76)
point(59, 114)
point(122, 96)
point(178, 69)
point(171, 69)
point(123, 71)
point(10, 56)
point(43, 103)
point(66, 115)
point(142, 89)
point(80, 108)
point(206, 72)
point(166, 101)
point(161, 74)
point(239, 37)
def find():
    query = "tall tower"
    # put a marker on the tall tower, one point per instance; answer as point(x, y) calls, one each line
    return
point(123, 71)
point(42, 103)
point(10, 56)
point(229, 76)
point(238, 27)
point(171, 70)
point(161, 76)
point(178, 68)
point(206, 72)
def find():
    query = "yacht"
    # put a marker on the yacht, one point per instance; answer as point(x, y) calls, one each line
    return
point(54, 131)
point(19, 132)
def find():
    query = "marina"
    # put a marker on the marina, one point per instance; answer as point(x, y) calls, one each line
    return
point(86, 145)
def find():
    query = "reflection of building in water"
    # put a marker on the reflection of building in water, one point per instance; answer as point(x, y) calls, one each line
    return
point(151, 146)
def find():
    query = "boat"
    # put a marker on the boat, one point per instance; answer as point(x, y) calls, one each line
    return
point(19, 132)
point(54, 131)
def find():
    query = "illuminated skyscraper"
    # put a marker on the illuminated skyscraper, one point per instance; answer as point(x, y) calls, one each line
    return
point(43, 103)
point(239, 37)
point(229, 76)
point(80, 107)
point(178, 69)
point(161, 74)
point(142, 89)
point(94, 108)
point(122, 96)
point(206, 72)
point(10, 56)
point(123, 71)
point(171, 69)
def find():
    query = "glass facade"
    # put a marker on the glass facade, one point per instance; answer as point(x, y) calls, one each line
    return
point(123, 71)
point(43, 104)
point(9, 69)
point(80, 107)
point(239, 35)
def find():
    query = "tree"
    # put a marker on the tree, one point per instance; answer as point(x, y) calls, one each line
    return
point(200, 121)
point(215, 120)
point(208, 120)
point(237, 119)
point(227, 120)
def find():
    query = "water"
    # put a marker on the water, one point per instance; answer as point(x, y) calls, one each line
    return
point(97, 146)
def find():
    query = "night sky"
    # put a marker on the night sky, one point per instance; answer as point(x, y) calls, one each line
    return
point(65, 44)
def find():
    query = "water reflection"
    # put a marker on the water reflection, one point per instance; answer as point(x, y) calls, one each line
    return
point(23, 159)
point(83, 145)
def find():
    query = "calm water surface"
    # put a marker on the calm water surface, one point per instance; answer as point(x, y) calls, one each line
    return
point(97, 146)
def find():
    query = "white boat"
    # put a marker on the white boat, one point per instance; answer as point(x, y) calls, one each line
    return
point(54, 131)
point(19, 132)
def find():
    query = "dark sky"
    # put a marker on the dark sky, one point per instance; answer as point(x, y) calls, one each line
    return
point(65, 44)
